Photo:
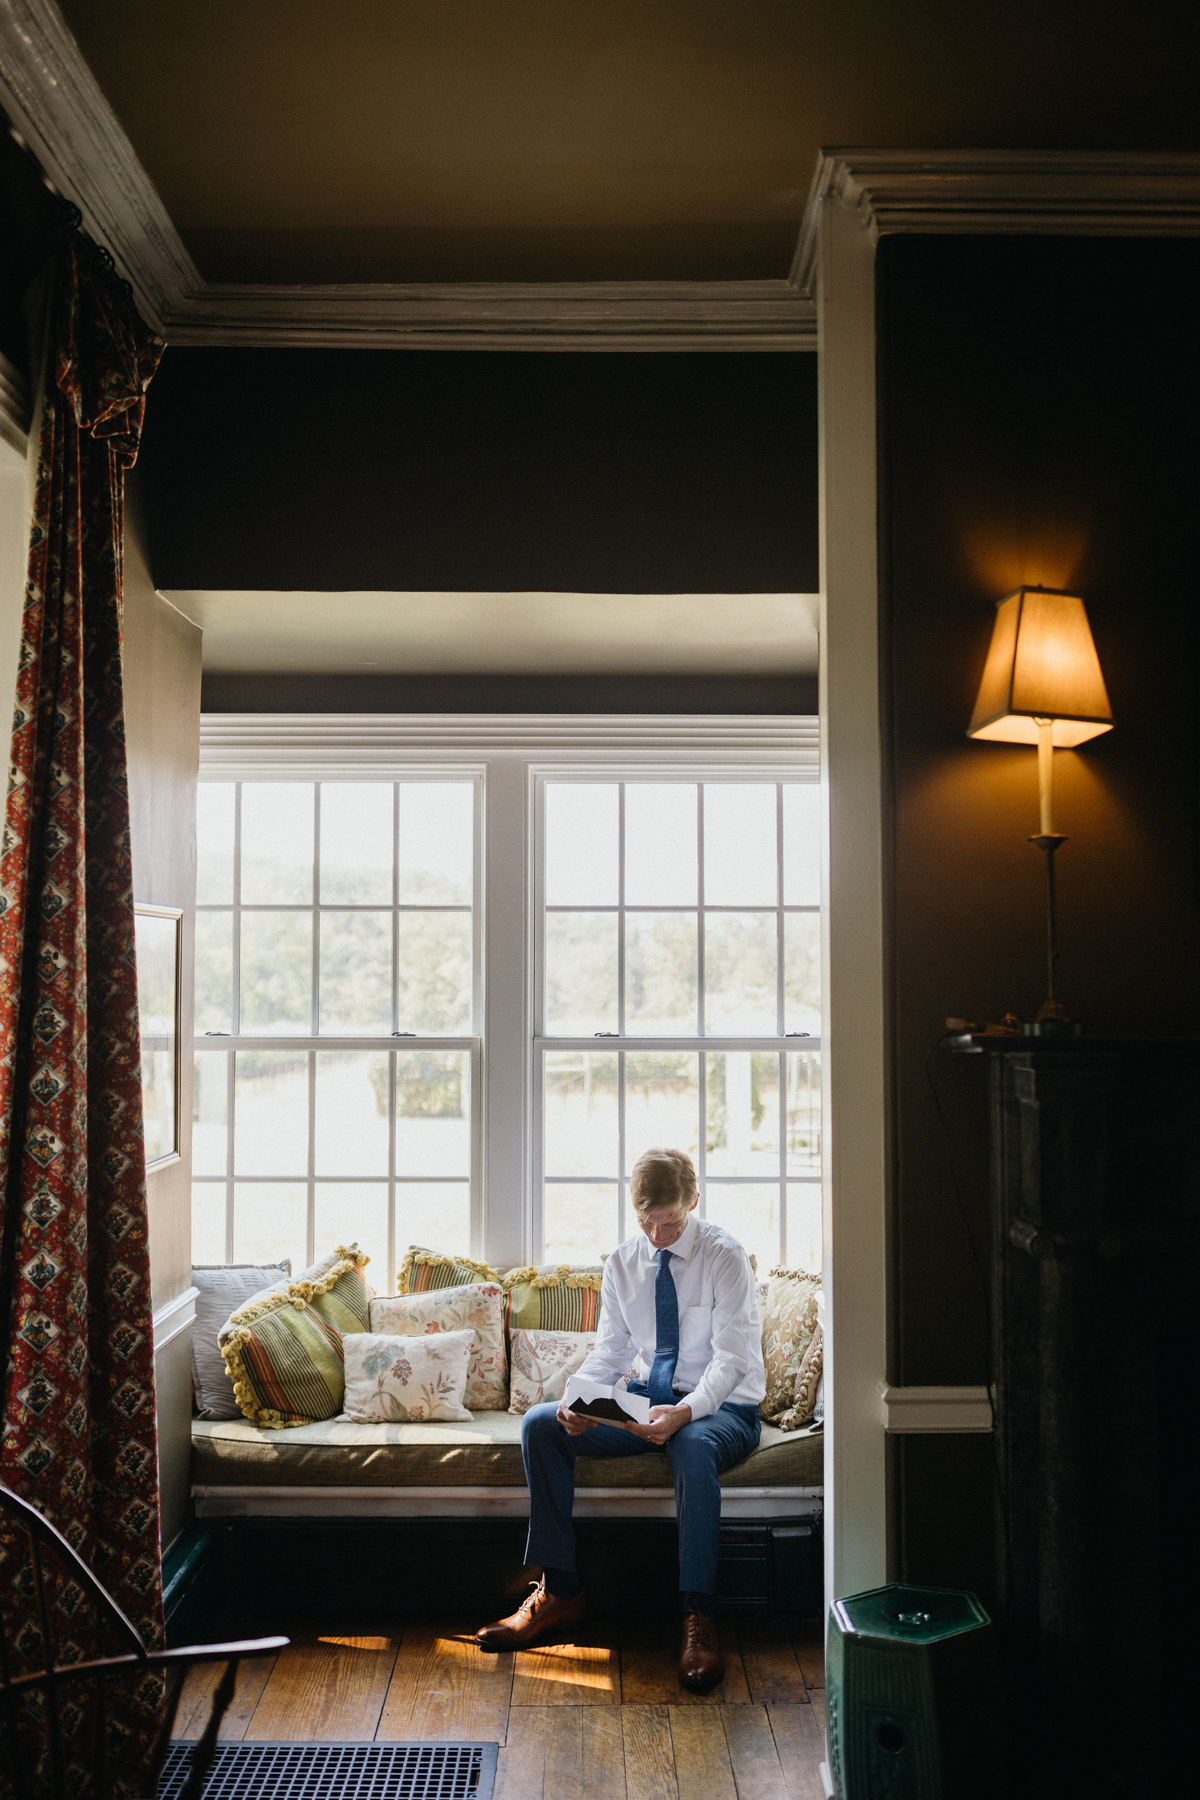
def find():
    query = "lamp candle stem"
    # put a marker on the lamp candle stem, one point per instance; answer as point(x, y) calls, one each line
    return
point(1045, 753)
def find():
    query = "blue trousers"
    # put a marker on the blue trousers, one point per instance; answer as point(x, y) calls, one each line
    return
point(698, 1454)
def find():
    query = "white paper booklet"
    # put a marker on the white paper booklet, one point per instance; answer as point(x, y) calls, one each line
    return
point(601, 1402)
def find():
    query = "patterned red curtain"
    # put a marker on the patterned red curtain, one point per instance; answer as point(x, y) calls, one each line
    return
point(79, 1419)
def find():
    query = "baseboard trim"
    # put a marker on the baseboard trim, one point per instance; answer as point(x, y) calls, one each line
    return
point(228, 1502)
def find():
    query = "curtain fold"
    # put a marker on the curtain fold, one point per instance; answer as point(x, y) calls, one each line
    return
point(79, 1437)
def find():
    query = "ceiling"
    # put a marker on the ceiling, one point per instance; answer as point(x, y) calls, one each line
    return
point(582, 140)
point(412, 633)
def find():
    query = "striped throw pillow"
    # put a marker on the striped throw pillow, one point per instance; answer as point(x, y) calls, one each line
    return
point(424, 1269)
point(283, 1350)
point(553, 1298)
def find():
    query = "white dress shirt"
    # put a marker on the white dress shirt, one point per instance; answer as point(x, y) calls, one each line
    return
point(720, 1339)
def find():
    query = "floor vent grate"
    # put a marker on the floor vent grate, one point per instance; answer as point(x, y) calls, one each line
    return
point(338, 1772)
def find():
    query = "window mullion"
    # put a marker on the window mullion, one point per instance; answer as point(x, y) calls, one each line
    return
point(391, 1216)
point(235, 1020)
point(314, 1009)
point(622, 1160)
point(700, 915)
point(311, 1196)
point(783, 1164)
point(621, 909)
point(395, 910)
point(230, 1090)
point(779, 919)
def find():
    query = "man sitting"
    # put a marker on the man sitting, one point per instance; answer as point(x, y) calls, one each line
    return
point(678, 1302)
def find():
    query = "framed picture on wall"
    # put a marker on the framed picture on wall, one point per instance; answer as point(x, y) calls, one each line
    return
point(157, 930)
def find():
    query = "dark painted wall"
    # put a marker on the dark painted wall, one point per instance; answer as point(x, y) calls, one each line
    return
point(403, 470)
point(511, 693)
point(1039, 402)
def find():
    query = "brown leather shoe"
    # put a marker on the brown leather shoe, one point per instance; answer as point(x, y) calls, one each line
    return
point(700, 1665)
point(537, 1614)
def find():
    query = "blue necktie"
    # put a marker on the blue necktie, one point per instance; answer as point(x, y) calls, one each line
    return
point(666, 1348)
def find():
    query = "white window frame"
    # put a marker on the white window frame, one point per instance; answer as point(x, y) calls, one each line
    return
point(314, 1042)
point(509, 754)
point(621, 1043)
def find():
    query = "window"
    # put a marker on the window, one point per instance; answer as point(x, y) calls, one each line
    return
point(680, 965)
point(454, 975)
point(337, 1018)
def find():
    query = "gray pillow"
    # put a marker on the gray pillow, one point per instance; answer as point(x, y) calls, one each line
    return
point(222, 1290)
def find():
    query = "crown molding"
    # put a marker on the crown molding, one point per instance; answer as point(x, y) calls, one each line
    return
point(480, 315)
point(57, 107)
point(265, 740)
point(14, 407)
point(1061, 193)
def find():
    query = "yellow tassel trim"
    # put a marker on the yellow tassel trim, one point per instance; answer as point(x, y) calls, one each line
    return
point(311, 1290)
point(797, 1274)
point(243, 1390)
point(258, 1309)
point(433, 1259)
point(529, 1277)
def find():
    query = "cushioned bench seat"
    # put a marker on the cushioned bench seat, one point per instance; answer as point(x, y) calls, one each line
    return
point(485, 1454)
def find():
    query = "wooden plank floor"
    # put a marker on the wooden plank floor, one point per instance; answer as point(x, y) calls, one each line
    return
point(601, 1717)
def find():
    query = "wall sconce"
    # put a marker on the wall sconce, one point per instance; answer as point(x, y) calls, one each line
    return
point(1042, 685)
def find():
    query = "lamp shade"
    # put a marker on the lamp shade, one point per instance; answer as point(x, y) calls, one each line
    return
point(1041, 664)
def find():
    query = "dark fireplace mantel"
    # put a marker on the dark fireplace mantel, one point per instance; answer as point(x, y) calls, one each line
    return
point(1095, 1179)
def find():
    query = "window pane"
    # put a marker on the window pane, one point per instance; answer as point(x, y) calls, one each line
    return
point(277, 972)
point(802, 972)
point(435, 1214)
point(578, 1221)
point(356, 842)
point(435, 972)
point(739, 844)
point(801, 844)
point(581, 973)
point(433, 1113)
point(210, 1126)
point(580, 1108)
point(437, 842)
point(740, 954)
point(662, 1102)
point(208, 1223)
point(803, 1114)
point(354, 1212)
point(214, 843)
point(356, 973)
point(269, 1221)
point(270, 1113)
point(751, 1213)
point(581, 843)
point(351, 1126)
point(660, 843)
point(804, 1226)
point(277, 842)
point(214, 972)
point(743, 1114)
point(660, 974)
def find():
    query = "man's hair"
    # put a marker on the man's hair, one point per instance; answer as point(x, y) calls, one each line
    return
point(663, 1179)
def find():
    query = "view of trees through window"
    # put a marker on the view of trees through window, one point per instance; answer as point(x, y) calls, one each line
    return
point(682, 923)
point(340, 1043)
point(333, 915)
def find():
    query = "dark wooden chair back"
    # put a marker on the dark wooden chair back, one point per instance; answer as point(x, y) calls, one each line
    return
point(45, 1701)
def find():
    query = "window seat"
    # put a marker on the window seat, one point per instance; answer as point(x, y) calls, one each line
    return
point(443, 1470)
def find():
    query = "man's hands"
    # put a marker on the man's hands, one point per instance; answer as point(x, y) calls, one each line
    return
point(665, 1421)
point(572, 1422)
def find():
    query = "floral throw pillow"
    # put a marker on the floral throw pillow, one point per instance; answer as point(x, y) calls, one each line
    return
point(406, 1380)
point(541, 1362)
point(477, 1307)
point(803, 1409)
point(789, 1319)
